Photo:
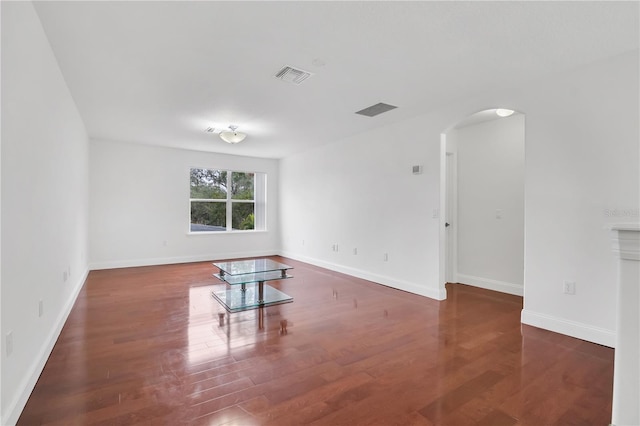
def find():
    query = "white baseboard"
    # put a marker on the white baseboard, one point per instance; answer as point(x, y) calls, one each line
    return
point(113, 264)
point(15, 406)
point(575, 329)
point(489, 284)
point(437, 294)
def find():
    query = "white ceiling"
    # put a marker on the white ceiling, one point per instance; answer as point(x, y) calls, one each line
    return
point(161, 72)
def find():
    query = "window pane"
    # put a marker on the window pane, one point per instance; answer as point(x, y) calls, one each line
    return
point(209, 184)
point(207, 217)
point(242, 186)
point(242, 216)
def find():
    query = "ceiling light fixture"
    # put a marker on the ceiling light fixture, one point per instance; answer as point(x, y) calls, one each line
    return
point(232, 136)
point(504, 112)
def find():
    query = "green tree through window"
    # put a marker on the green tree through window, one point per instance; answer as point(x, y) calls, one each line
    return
point(222, 200)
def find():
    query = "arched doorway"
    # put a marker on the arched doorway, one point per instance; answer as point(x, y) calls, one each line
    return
point(482, 202)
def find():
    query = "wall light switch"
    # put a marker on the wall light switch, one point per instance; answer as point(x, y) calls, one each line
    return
point(569, 287)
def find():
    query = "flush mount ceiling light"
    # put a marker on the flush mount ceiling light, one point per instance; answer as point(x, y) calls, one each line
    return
point(504, 112)
point(232, 136)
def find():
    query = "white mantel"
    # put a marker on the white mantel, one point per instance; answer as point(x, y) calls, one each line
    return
point(626, 378)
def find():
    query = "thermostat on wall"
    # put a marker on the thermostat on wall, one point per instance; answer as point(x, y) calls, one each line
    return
point(417, 170)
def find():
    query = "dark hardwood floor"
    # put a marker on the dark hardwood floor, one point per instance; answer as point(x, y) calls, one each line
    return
point(147, 346)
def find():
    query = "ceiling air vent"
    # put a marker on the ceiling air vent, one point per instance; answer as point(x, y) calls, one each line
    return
point(292, 75)
point(376, 109)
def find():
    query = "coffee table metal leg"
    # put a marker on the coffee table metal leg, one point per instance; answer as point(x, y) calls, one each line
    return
point(260, 291)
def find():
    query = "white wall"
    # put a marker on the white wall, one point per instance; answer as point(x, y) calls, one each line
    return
point(360, 193)
point(44, 202)
point(490, 169)
point(582, 162)
point(1, 404)
point(581, 159)
point(139, 207)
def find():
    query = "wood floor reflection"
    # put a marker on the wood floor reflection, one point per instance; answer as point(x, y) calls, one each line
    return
point(149, 346)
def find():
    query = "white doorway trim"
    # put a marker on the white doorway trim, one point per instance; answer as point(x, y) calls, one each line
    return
point(443, 197)
point(451, 217)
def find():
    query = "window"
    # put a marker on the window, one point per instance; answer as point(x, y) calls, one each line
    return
point(222, 200)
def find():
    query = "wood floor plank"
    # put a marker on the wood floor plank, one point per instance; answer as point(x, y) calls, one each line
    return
point(228, 416)
point(150, 346)
point(453, 400)
point(317, 398)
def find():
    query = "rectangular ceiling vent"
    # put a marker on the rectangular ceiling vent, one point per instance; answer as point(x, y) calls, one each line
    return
point(292, 75)
point(376, 109)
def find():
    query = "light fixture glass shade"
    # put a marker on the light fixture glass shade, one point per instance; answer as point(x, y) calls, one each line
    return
point(232, 136)
point(504, 112)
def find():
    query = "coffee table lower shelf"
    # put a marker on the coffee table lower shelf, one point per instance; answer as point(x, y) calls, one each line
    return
point(236, 299)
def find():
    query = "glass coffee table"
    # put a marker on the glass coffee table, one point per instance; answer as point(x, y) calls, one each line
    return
point(239, 275)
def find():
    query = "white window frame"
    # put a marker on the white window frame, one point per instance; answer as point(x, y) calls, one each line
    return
point(259, 202)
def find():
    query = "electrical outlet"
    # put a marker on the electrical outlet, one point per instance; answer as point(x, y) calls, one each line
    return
point(9, 343)
point(569, 287)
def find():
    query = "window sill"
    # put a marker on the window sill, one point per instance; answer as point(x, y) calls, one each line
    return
point(262, 231)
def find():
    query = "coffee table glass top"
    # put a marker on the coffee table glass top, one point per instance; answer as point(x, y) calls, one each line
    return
point(251, 271)
point(250, 266)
